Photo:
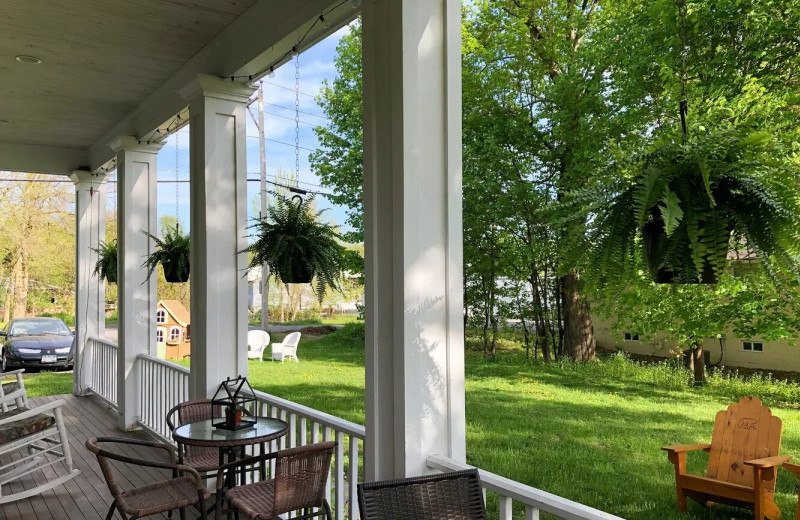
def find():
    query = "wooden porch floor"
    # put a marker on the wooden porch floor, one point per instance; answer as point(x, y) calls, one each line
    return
point(85, 497)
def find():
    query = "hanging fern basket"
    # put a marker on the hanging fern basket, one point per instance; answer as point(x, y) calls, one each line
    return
point(298, 271)
point(656, 244)
point(176, 270)
point(106, 266)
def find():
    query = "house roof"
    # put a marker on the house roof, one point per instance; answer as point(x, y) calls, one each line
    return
point(177, 311)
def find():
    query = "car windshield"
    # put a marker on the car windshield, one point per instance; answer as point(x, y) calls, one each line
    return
point(39, 328)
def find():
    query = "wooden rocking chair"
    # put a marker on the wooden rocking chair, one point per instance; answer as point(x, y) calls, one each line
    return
point(742, 463)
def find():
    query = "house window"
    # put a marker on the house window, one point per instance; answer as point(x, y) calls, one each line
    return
point(174, 333)
point(161, 316)
point(753, 346)
point(631, 337)
point(160, 334)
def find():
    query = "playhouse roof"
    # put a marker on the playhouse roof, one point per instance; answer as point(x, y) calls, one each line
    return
point(177, 311)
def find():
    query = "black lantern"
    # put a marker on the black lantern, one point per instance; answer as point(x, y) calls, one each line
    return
point(236, 397)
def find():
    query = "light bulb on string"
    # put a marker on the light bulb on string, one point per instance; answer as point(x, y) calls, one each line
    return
point(355, 4)
point(325, 23)
point(294, 52)
point(271, 72)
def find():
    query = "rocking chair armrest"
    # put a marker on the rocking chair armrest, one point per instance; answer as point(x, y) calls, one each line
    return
point(33, 411)
point(769, 462)
point(18, 372)
point(792, 468)
point(683, 448)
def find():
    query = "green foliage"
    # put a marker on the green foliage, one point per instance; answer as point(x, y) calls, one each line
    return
point(172, 252)
point(66, 317)
point(686, 199)
point(106, 266)
point(338, 161)
point(292, 237)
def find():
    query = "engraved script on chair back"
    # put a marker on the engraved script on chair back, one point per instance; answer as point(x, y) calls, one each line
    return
point(745, 431)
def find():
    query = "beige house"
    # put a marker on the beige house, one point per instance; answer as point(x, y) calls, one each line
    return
point(730, 351)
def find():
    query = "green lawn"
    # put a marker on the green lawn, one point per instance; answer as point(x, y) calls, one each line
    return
point(590, 433)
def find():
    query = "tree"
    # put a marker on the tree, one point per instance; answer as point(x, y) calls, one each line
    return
point(36, 245)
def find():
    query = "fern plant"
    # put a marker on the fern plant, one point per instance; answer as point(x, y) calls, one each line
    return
point(297, 246)
point(172, 252)
point(106, 266)
point(689, 202)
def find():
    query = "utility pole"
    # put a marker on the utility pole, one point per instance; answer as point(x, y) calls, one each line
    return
point(262, 146)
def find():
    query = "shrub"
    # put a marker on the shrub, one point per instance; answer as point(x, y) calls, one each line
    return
point(66, 317)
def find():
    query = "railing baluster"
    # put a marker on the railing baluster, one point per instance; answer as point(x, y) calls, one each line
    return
point(531, 513)
point(304, 431)
point(506, 509)
point(353, 480)
point(339, 465)
point(292, 430)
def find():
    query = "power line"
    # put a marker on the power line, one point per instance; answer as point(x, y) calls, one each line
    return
point(282, 142)
point(292, 109)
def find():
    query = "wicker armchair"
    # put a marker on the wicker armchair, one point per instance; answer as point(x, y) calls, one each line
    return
point(151, 499)
point(204, 459)
point(297, 485)
point(448, 496)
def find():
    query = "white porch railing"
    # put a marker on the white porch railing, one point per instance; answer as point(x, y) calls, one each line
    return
point(165, 384)
point(307, 426)
point(162, 385)
point(104, 369)
point(534, 500)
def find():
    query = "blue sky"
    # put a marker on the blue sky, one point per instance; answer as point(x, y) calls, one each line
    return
point(316, 65)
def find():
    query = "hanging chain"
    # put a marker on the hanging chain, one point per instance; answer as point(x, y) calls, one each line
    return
point(297, 118)
point(177, 184)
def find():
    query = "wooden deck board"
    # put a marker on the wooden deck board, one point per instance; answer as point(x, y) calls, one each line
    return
point(86, 497)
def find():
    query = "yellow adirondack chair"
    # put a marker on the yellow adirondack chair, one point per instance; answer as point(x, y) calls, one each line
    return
point(795, 468)
point(742, 463)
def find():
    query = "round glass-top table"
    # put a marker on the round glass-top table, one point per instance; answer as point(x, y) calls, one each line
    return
point(232, 443)
point(203, 433)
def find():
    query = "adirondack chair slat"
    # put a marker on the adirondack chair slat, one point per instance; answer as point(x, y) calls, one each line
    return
point(742, 463)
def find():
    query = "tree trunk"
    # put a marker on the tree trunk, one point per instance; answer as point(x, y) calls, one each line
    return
point(699, 363)
point(20, 287)
point(578, 332)
point(7, 303)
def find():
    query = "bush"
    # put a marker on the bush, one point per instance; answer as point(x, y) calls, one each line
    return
point(355, 333)
point(66, 317)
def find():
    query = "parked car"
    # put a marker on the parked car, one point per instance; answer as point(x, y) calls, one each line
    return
point(36, 343)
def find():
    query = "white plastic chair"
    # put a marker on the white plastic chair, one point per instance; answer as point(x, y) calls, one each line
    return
point(257, 341)
point(286, 349)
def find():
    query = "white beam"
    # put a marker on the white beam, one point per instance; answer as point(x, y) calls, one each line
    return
point(218, 202)
point(263, 33)
point(32, 158)
point(413, 231)
point(90, 230)
point(136, 211)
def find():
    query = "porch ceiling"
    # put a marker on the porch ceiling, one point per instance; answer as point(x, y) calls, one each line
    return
point(100, 59)
point(111, 67)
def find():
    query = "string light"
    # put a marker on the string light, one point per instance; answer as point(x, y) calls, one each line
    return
point(355, 4)
point(270, 69)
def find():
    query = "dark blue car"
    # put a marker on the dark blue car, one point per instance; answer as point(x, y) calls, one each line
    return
point(36, 343)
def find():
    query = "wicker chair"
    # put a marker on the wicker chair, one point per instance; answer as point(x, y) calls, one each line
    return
point(151, 499)
point(298, 484)
point(204, 459)
point(448, 496)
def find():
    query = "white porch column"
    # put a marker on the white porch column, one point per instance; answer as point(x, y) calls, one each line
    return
point(136, 211)
point(413, 229)
point(218, 200)
point(90, 230)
